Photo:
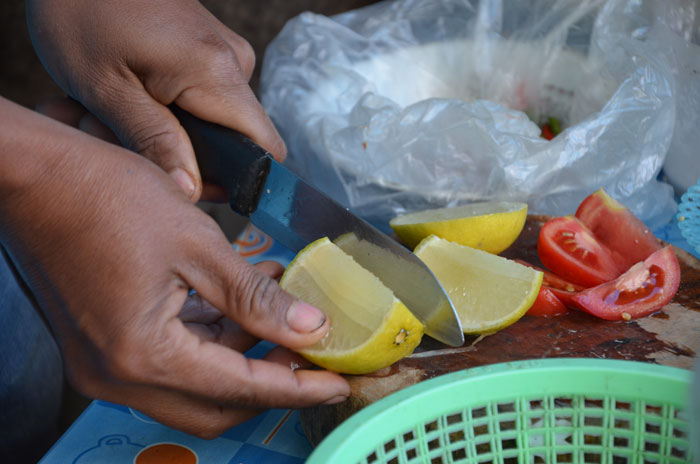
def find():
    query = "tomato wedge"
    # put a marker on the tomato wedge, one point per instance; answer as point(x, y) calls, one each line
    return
point(570, 250)
point(546, 304)
point(616, 227)
point(552, 280)
point(562, 289)
point(645, 288)
point(566, 297)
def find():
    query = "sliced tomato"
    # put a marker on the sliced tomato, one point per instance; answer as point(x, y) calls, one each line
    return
point(617, 228)
point(546, 304)
point(561, 288)
point(553, 280)
point(645, 288)
point(570, 250)
point(565, 296)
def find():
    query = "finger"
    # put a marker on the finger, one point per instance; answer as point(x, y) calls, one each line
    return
point(224, 97)
point(147, 127)
point(202, 418)
point(272, 269)
point(284, 357)
point(253, 299)
point(166, 354)
point(215, 372)
point(195, 309)
point(234, 337)
point(226, 333)
point(207, 322)
point(242, 48)
point(63, 109)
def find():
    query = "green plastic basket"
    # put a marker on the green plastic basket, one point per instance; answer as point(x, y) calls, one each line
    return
point(543, 411)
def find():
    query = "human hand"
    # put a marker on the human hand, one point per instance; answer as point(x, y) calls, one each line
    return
point(126, 60)
point(110, 246)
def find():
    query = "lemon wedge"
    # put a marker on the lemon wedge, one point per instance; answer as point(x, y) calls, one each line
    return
point(489, 226)
point(370, 328)
point(489, 292)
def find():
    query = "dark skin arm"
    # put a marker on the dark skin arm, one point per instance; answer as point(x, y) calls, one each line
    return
point(110, 245)
point(113, 244)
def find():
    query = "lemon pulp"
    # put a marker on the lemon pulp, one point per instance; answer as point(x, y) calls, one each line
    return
point(488, 226)
point(489, 292)
point(370, 328)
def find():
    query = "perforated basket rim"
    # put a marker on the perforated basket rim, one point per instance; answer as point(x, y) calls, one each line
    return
point(373, 425)
point(688, 216)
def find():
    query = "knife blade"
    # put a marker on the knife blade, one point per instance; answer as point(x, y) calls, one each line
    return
point(295, 214)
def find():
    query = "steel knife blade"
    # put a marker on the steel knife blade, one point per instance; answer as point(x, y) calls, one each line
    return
point(294, 213)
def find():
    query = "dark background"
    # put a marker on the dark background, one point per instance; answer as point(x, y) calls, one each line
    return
point(24, 80)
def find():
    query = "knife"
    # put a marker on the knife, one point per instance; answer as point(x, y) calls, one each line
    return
point(295, 214)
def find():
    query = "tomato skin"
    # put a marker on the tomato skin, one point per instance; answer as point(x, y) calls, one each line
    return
point(645, 288)
point(616, 227)
point(546, 304)
point(570, 250)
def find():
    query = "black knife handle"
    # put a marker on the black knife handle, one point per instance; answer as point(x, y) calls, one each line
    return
point(228, 159)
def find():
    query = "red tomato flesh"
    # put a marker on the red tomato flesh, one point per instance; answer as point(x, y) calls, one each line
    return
point(546, 304)
point(645, 288)
point(617, 228)
point(570, 250)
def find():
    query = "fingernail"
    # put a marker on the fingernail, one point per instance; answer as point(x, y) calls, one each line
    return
point(184, 180)
point(336, 399)
point(302, 317)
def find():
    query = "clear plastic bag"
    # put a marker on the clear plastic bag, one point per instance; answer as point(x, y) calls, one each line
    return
point(413, 104)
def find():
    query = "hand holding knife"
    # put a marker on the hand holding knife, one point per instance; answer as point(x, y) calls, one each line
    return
point(295, 214)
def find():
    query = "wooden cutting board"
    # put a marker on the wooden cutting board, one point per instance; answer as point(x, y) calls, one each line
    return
point(670, 337)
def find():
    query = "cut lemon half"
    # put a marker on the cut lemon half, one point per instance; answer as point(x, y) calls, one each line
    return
point(370, 328)
point(488, 226)
point(489, 292)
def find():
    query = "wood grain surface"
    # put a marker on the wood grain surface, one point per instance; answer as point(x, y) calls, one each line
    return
point(670, 337)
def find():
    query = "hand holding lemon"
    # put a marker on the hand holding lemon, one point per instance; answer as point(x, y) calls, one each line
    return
point(370, 328)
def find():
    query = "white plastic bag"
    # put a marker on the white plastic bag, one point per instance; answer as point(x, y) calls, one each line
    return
point(670, 31)
point(412, 104)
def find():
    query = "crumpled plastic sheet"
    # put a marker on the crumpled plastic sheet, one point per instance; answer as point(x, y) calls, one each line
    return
point(414, 104)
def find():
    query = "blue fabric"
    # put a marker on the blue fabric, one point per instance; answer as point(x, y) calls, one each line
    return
point(31, 375)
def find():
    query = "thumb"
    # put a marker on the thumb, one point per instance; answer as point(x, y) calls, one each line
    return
point(149, 128)
point(255, 301)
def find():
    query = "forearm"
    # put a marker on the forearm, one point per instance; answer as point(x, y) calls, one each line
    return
point(31, 145)
point(49, 173)
point(36, 160)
